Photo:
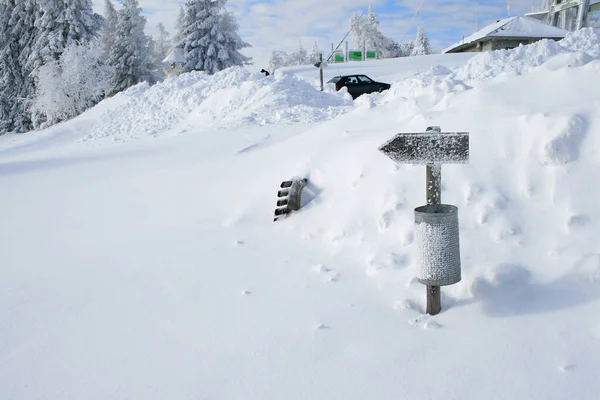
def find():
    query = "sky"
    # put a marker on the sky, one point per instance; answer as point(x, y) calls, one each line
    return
point(284, 24)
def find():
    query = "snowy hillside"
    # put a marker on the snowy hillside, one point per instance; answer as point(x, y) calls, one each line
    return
point(139, 259)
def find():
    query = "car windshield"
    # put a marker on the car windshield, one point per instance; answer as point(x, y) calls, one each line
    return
point(364, 79)
point(334, 79)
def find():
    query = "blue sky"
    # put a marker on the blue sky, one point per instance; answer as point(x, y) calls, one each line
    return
point(283, 24)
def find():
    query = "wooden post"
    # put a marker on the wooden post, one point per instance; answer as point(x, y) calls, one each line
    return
point(321, 70)
point(433, 183)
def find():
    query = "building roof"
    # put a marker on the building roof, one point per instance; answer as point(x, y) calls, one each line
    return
point(513, 27)
point(176, 56)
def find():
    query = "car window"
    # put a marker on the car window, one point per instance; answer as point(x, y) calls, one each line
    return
point(364, 79)
point(352, 80)
point(335, 79)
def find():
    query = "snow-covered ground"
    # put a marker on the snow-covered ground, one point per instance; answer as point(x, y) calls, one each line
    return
point(139, 260)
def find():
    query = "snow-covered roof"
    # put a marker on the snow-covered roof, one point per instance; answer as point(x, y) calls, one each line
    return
point(513, 27)
point(176, 56)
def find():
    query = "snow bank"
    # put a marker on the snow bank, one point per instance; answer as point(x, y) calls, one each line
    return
point(229, 98)
point(582, 46)
point(168, 261)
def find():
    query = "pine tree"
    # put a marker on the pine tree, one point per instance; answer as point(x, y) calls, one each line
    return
point(10, 70)
point(59, 24)
point(107, 36)
point(421, 46)
point(233, 43)
point(210, 41)
point(375, 39)
point(17, 48)
point(357, 30)
point(130, 53)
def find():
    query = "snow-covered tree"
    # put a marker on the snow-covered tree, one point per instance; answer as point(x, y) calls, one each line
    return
point(407, 48)
point(314, 54)
point(299, 57)
point(357, 30)
point(375, 39)
point(60, 23)
point(10, 70)
point(66, 87)
point(233, 42)
point(277, 60)
point(207, 47)
point(130, 54)
point(365, 32)
point(421, 46)
point(107, 35)
point(163, 43)
point(17, 85)
point(179, 26)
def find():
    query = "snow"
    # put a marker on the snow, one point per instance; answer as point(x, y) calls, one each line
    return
point(139, 258)
point(513, 27)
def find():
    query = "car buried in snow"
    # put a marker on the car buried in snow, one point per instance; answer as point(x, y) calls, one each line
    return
point(358, 84)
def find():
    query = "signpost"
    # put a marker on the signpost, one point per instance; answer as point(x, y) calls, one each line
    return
point(431, 148)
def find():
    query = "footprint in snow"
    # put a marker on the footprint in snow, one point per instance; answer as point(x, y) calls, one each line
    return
point(426, 321)
point(321, 326)
point(246, 293)
point(330, 274)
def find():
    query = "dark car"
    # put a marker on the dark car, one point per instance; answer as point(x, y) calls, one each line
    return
point(358, 84)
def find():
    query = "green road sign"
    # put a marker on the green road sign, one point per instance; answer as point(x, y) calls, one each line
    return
point(339, 57)
point(371, 54)
point(355, 55)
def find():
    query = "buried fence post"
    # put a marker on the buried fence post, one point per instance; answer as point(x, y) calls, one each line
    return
point(436, 224)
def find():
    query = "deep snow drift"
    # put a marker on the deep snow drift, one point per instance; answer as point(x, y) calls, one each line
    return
point(152, 269)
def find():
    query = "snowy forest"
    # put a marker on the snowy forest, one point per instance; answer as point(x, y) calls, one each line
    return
point(364, 31)
point(58, 58)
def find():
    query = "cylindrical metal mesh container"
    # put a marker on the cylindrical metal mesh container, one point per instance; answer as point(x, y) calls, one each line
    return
point(438, 245)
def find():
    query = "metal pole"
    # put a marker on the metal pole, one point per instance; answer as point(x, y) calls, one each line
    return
point(321, 70)
point(584, 8)
point(364, 52)
point(433, 183)
point(346, 58)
